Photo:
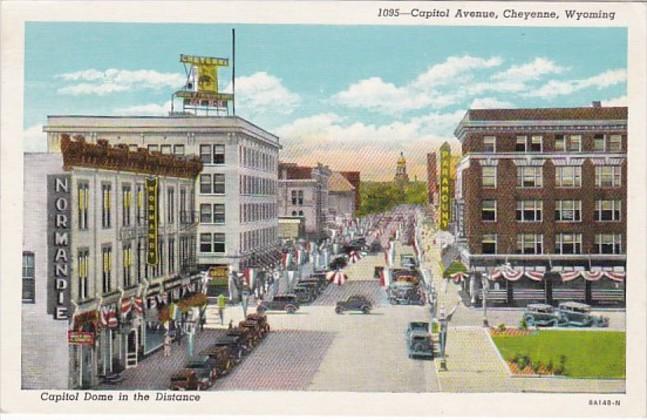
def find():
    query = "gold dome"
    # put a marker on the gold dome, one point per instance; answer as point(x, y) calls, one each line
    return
point(402, 160)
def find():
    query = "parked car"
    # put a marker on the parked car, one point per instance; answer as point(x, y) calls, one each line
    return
point(246, 337)
point(419, 341)
point(222, 358)
point(409, 261)
point(204, 367)
point(540, 315)
point(409, 275)
point(375, 247)
point(354, 303)
point(255, 329)
point(575, 314)
point(188, 380)
point(233, 344)
point(304, 294)
point(287, 303)
point(405, 293)
point(316, 284)
point(262, 322)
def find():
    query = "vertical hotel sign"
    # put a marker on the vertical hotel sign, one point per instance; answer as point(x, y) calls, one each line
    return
point(445, 174)
point(59, 221)
point(152, 216)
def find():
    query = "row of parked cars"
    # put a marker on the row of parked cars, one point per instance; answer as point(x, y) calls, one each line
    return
point(567, 314)
point(220, 358)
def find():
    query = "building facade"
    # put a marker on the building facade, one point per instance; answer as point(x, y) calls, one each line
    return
point(236, 192)
point(432, 179)
point(341, 196)
point(303, 192)
point(544, 191)
point(355, 179)
point(108, 238)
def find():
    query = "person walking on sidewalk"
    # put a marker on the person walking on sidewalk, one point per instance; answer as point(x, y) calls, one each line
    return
point(221, 308)
point(167, 345)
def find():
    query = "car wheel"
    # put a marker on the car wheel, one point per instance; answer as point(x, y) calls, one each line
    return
point(290, 309)
point(393, 301)
point(366, 309)
point(338, 310)
point(529, 320)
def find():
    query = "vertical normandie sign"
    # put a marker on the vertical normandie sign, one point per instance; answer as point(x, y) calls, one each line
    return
point(59, 222)
point(152, 209)
point(445, 174)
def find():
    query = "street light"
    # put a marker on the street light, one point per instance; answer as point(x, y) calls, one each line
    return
point(484, 289)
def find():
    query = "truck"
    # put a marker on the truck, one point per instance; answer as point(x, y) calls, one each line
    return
point(419, 341)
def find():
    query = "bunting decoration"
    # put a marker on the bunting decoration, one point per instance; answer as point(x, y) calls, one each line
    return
point(458, 277)
point(336, 277)
point(354, 256)
point(569, 275)
point(126, 305)
point(385, 278)
point(139, 305)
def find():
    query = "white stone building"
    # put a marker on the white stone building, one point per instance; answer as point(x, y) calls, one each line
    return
point(341, 196)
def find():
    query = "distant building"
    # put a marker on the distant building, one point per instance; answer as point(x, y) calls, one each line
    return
point(291, 227)
point(341, 196)
point(354, 177)
point(401, 176)
point(108, 237)
point(303, 192)
point(432, 179)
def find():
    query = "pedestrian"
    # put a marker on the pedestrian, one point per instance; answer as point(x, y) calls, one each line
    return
point(231, 324)
point(221, 308)
point(167, 345)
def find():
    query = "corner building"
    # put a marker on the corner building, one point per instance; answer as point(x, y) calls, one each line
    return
point(543, 192)
point(236, 192)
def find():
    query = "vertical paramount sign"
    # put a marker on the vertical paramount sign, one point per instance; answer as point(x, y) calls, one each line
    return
point(152, 213)
point(445, 190)
point(59, 222)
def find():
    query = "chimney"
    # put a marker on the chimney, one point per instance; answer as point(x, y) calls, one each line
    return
point(597, 104)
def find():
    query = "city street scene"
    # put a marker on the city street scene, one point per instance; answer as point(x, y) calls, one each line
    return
point(201, 216)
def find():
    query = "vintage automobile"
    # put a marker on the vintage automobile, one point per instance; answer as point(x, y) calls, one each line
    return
point(419, 341)
point(287, 303)
point(222, 357)
point(304, 294)
point(188, 380)
point(262, 322)
point(409, 261)
point(575, 314)
point(233, 343)
point(375, 247)
point(246, 337)
point(316, 284)
point(405, 293)
point(255, 329)
point(540, 315)
point(354, 303)
point(339, 262)
point(412, 276)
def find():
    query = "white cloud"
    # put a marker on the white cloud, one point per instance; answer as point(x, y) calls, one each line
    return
point(262, 92)
point(97, 82)
point(534, 70)
point(566, 87)
point(378, 95)
point(344, 144)
point(34, 139)
point(482, 103)
point(146, 109)
point(619, 101)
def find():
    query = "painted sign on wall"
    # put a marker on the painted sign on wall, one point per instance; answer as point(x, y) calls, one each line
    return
point(59, 221)
point(152, 216)
point(445, 190)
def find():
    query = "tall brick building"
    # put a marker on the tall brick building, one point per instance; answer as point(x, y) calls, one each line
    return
point(541, 194)
point(432, 179)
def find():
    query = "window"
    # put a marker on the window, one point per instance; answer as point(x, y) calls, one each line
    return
point(300, 197)
point(568, 211)
point(141, 263)
point(488, 243)
point(178, 149)
point(608, 243)
point(607, 176)
point(183, 214)
point(488, 210)
point(568, 143)
point(83, 260)
point(205, 184)
point(160, 257)
point(140, 204)
point(575, 144)
point(607, 210)
point(301, 213)
point(219, 213)
point(615, 143)
point(212, 242)
point(218, 242)
point(166, 149)
point(530, 243)
point(218, 183)
point(153, 148)
point(568, 176)
point(170, 205)
point(529, 210)
point(560, 143)
point(536, 143)
point(205, 242)
point(293, 194)
point(488, 176)
point(28, 283)
point(83, 204)
point(529, 176)
point(205, 213)
point(126, 197)
point(568, 243)
point(218, 153)
point(489, 144)
point(127, 259)
point(205, 153)
point(105, 208)
point(171, 255)
point(294, 212)
point(599, 143)
point(520, 145)
point(106, 258)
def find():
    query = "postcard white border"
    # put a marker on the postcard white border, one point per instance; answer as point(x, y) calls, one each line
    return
point(15, 14)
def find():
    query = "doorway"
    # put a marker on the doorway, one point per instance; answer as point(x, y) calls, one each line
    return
point(132, 347)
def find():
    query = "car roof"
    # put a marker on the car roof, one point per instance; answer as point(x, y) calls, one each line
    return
point(539, 306)
point(575, 305)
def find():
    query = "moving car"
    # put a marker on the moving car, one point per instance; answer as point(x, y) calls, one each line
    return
point(262, 322)
point(245, 337)
point(419, 341)
point(354, 303)
point(287, 303)
point(409, 261)
point(575, 314)
point(222, 358)
point(233, 344)
point(540, 315)
point(198, 374)
point(405, 293)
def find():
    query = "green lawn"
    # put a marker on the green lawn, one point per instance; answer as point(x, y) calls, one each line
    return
point(589, 354)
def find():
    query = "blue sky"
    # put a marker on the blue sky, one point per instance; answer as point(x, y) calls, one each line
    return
point(335, 94)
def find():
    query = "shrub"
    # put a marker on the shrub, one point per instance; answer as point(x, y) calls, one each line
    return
point(501, 327)
point(549, 366)
point(536, 366)
point(523, 324)
point(523, 361)
point(561, 369)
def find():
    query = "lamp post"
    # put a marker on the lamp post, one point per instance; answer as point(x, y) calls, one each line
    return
point(484, 289)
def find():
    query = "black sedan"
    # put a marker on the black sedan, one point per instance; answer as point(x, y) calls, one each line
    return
point(354, 303)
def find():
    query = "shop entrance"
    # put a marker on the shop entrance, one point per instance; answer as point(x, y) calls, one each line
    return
point(132, 347)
